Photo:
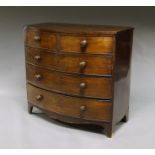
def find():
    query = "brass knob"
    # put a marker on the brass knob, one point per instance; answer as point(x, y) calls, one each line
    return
point(37, 57)
point(83, 43)
point(82, 85)
point(83, 108)
point(82, 64)
point(39, 97)
point(37, 38)
point(38, 76)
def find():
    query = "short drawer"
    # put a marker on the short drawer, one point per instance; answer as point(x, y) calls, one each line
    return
point(89, 109)
point(73, 63)
point(40, 39)
point(97, 87)
point(96, 45)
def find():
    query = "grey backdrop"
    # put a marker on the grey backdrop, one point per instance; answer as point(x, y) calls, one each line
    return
point(18, 129)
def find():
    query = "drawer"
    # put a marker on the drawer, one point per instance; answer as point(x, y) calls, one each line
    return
point(89, 109)
point(73, 63)
point(70, 84)
point(96, 45)
point(40, 39)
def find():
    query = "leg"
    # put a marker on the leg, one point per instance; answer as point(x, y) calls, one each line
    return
point(30, 108)
point(126, 117)
point(108, 129)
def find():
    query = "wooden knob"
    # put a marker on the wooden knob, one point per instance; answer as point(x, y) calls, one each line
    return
point(39, 97)
point(82, 64)
point(37, 38)
point(83, 43)
point(38, 76)
point(37, 57)
point(82, 85)
point(83, 108)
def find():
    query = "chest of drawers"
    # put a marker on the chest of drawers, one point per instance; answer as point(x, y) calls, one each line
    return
point(79, 73)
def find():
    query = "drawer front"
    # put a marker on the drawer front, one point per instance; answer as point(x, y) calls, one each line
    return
point(89, 109)
point(96, 45)
point(71, 84)
point(73, 63)
point(40, 39)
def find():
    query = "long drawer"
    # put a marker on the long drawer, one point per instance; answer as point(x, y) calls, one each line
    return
point(89, 109)
point(97, 87)
point(73, 63)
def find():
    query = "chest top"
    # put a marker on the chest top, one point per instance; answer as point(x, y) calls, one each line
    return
point(79, 28)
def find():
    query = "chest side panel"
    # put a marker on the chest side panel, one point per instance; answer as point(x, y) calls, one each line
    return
point(122, 74)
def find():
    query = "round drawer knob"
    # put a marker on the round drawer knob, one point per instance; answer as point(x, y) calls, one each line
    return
point(83, 43)
point(38, 76)
point(37, 57)
point(39, 97)
point(83, 108)
point(37, 38)
point(82, 85)
point(82, 64)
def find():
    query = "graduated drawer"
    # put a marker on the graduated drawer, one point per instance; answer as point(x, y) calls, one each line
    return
point(89, 109)
point(73, 63)
point(69, 83)
point(87, 44)
point(40, 39)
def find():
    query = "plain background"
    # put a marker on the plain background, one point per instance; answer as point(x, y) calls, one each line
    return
point(18, 129)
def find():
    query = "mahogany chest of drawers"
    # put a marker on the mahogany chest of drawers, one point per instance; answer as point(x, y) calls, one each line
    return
point(79, 73)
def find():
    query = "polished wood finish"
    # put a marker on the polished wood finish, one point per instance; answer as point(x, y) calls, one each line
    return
point(71, 63)
point(89, 109)
point(122, 75)
point(40, 39)
point(82, 29)
point(97, 45)
point(79, 73)
point(70, 84)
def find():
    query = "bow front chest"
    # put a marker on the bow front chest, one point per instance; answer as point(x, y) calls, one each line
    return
point(79, 73)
